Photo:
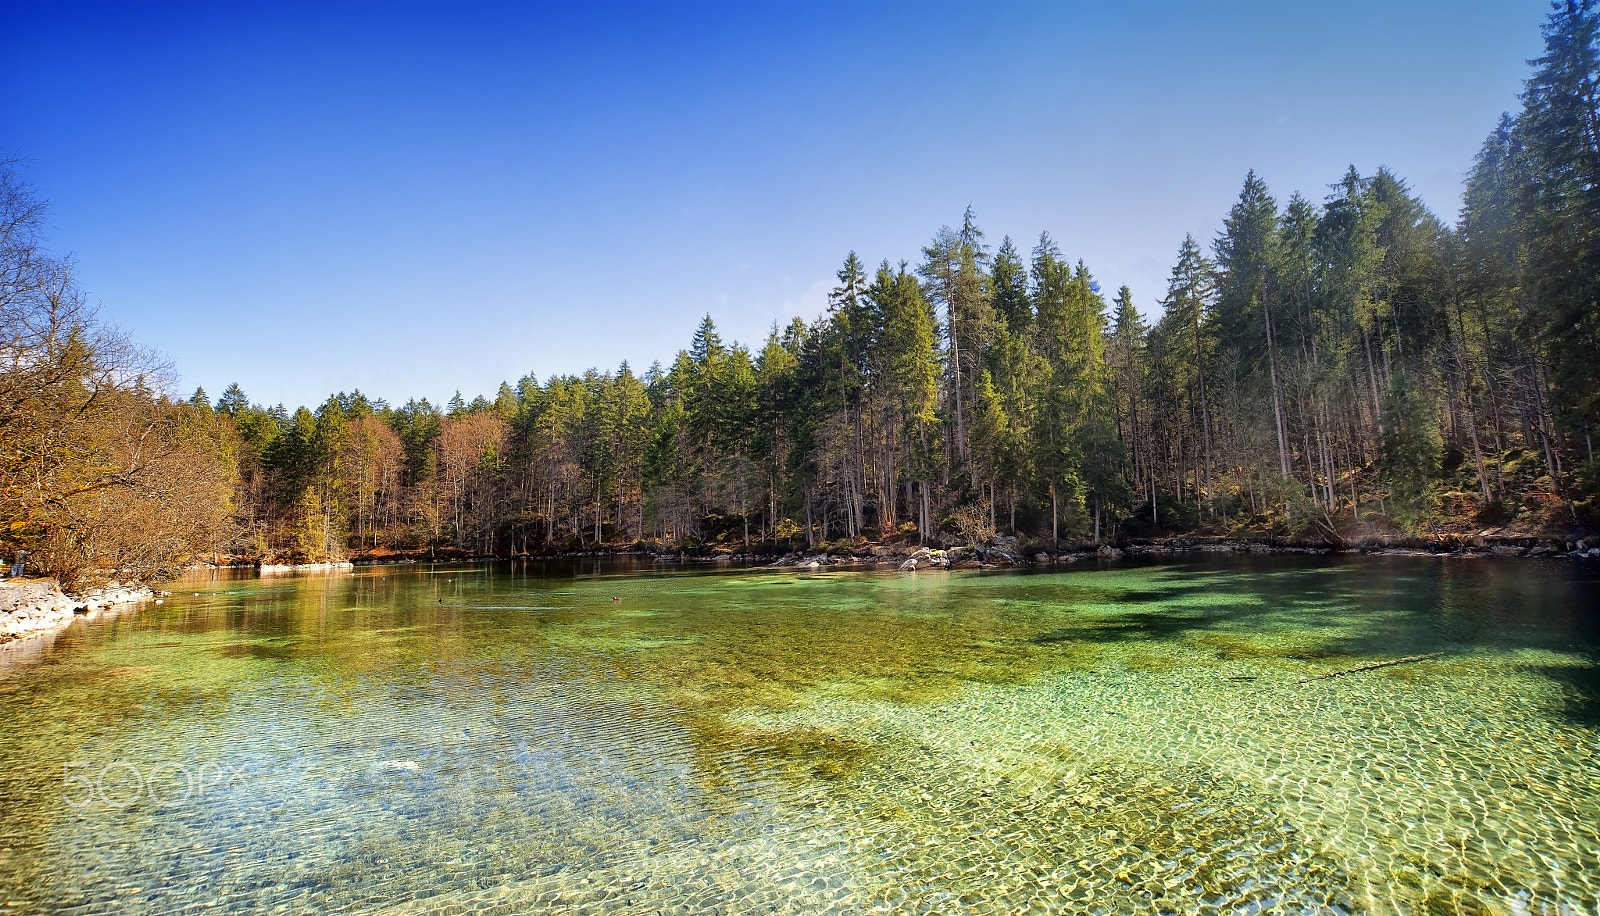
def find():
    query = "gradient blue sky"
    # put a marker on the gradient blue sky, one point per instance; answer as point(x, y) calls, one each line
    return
point(415, 198)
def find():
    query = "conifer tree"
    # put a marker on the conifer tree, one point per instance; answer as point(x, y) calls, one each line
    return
point(1560, 129)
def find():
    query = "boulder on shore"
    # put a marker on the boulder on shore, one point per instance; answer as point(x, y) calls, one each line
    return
point(926, 558)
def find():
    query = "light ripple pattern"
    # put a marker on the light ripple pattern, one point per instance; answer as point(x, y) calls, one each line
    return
point(561, 738)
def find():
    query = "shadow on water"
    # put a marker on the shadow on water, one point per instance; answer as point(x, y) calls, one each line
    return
point(1131, 627)
point(1178, 612)
point(1581, 689)
point(1204, 600)
point(1153, 596)
point(1350, 611)
point(275, 652)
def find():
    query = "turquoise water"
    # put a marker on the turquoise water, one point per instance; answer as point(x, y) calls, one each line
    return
point(611, 737)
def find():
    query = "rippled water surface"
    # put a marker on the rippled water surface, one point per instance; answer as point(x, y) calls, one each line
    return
point(602, 739)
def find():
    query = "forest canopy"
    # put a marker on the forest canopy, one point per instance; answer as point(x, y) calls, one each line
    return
point(1322, 368)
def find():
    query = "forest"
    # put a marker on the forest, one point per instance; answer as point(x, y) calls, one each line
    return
point(1321, 369)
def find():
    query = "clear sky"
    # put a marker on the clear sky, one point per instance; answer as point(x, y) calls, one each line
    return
point(415, 198)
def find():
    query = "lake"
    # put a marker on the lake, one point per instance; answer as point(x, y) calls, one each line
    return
point(617, 737)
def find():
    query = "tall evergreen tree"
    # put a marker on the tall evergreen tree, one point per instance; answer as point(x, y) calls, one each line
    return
point(1248, 310)
point(1560, 127)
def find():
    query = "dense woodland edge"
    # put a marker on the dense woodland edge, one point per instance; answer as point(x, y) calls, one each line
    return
point(1322, 371)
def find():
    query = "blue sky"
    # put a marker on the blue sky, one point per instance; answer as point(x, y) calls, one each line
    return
point(415, 198)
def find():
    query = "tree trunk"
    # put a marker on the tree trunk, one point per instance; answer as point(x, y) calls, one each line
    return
point(810, 534)
point(927, 512)
point(1372, 379)
point(1055, 528)
point(1277, 393)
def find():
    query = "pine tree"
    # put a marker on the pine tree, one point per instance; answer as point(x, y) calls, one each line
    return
point(1409, 451)
point(1125, 361)
point(1248, 310)
point(1560, 127)
point(954, 268)
point(1188, 345)
point(233, 401)
point(909, 367)
point(1010, 280)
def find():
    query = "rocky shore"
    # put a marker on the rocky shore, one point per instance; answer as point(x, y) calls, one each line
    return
point(270, 568)
point(1000, 553)
point(1005, 551)
point(31, 607)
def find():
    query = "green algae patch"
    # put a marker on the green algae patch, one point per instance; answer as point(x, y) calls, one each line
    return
point(797, 751)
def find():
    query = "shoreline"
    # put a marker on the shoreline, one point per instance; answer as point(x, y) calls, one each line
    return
point(999, 555)
point(1001, 552)
point(34, 608)
point(31, 609)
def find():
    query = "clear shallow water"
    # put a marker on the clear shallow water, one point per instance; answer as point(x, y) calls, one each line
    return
point(587, 739)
